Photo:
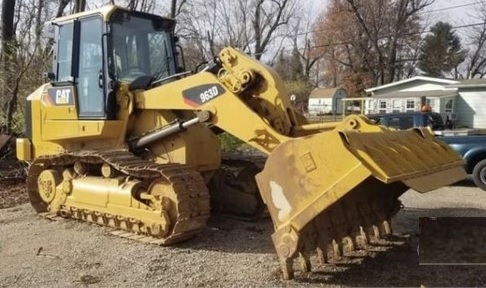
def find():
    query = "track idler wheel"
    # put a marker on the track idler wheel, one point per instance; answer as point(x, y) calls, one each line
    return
point(46, 184)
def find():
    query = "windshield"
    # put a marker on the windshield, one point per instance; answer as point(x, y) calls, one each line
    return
point(142, 46)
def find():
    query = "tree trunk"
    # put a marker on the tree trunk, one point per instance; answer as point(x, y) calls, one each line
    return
point(38, 22)
point(62, 6)
point(79, 6)
point(9, 95)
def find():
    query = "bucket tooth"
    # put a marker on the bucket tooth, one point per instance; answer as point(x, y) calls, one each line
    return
point(305, 263)
point(287, 267)
point(322, 228)
point(364, 237)
point(322, 254)
point(337, 249)
point(376, 232)
point(387, 227)
point(369, 233)
point(366, 219)
point(359, 241)
point(351, 241)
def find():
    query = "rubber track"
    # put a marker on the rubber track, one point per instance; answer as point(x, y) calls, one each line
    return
point(190, 188)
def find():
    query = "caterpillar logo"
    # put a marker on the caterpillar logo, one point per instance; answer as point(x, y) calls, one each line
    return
point(63, 96)
point(60, 96)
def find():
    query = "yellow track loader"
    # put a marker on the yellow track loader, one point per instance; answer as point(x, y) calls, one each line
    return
point(122, 136)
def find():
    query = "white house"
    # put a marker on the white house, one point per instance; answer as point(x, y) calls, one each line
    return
point(471, 103)
point(410, 94)
point(326, 101)
point(463, 101)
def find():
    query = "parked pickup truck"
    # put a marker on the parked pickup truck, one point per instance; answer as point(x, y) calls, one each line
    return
point(472, 148)
point(407, 120)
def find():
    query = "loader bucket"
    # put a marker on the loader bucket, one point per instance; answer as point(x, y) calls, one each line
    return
point(343, 185)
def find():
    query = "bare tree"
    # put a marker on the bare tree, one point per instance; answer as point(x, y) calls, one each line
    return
point(267, 17)
point(367, 42)
point(387, 21)
point(303, 43)
point(38, 22)
point(28, 53)
point(475, 66)
point(62, 5)
point(79, 6)
point(250, 25)
point(9, 97)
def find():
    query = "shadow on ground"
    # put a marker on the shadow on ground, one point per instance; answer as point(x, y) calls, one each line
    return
point(227, 234)
point(393, 262)
point(398, 264)
point(398, 267)
point(466, 182)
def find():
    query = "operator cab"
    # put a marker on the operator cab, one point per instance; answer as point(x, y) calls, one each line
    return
point(95, 51)
point(143, 45)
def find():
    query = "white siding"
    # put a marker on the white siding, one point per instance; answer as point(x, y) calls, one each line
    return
point(418, 85)
point(471, 109)
point(320, 105)
point(427, 87)
point(372, 105)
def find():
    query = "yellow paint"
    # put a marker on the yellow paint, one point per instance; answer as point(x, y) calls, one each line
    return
point(310, 168)
point(23, 149)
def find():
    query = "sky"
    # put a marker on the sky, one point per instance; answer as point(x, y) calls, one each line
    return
point(455, 12)
point(452, 11)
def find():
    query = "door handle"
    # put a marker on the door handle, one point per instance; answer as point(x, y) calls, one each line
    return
point(100, 79)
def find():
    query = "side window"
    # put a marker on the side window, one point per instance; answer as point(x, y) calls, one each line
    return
point(65, 53)
point(160, 53)
point(406, 122)
point(449, 106)
point(394, 122)
point(90, 86)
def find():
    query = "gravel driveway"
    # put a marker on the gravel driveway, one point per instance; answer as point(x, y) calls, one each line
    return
point(39, 252)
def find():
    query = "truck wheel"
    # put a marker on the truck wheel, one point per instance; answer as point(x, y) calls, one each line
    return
point(479, 174)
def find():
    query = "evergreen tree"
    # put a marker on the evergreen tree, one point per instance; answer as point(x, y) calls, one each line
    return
point(297, 70)
point(441, 51)
point(289, 67)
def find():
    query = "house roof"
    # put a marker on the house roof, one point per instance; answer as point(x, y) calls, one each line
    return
point(469, 83)
point(429, 93)
point(416, 78)
point(323, 92)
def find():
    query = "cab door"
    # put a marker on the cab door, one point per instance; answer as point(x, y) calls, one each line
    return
point(90, 81)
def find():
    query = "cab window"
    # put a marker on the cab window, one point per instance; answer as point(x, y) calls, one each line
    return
point(90, 84)
point(65, 53)
point(142, 46)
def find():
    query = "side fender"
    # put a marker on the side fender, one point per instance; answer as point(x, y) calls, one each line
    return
point(473, 156)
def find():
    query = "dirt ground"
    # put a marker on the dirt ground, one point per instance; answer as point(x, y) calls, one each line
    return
point(43, 253)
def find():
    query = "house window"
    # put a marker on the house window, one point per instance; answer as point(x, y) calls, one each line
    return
point(448, 106)
point(382, 106)
point(410, 105)
point(396, 106)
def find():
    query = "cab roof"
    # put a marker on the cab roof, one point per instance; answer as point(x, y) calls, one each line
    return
point(105, 12)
